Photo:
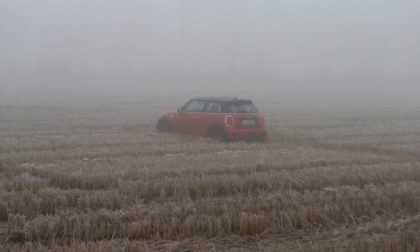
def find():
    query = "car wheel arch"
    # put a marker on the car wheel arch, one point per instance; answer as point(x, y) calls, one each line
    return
point(214, 125)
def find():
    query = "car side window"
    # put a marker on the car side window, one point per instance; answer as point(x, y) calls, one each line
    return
point(194, 106)
point(213, 107)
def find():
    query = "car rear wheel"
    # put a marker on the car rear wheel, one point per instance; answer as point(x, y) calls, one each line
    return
point(216, 133)
point(163, 126)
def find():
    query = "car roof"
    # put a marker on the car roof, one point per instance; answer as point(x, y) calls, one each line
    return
point(221, 99)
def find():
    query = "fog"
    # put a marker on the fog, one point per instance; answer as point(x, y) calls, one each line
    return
point(296, 50)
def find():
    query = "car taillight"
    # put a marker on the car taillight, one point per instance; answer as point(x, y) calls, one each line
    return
point(261, 122)
point(229, 121)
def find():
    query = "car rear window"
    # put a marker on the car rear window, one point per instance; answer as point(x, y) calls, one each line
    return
point(242, 107)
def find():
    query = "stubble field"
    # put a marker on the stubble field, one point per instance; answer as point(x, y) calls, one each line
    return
point(100, 178)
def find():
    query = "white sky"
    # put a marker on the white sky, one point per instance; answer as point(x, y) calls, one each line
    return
point(103, 49)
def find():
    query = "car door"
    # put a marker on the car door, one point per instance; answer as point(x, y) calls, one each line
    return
point(212, 111)
point(189, 116)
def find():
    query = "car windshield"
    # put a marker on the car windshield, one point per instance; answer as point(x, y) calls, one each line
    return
point(242, 107)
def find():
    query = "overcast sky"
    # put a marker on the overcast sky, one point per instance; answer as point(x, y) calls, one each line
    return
point(121, 49)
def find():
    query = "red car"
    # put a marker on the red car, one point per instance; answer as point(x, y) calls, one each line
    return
point(217, 118)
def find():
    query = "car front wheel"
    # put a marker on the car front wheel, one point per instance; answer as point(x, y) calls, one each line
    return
point(163, 126)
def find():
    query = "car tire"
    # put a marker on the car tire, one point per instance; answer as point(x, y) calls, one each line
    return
point(163, 126)
point(216, 133)
point(261, 140)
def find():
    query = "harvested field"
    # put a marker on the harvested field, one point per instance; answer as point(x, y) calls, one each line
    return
point(100, 178)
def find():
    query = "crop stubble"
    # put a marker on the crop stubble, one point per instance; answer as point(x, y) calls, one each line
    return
point(101, 178)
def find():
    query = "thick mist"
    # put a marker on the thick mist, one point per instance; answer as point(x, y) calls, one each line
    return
point(81, 50)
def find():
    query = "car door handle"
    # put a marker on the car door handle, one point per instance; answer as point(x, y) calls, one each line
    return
point(196, 117)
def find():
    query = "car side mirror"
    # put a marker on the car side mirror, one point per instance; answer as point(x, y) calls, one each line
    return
point(179, 110)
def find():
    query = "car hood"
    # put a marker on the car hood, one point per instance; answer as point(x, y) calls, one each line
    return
point(169, 114)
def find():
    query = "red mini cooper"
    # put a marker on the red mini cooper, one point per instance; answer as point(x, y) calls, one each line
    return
point(217, 118)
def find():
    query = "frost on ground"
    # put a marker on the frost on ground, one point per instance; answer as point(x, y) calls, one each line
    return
point(87, 179)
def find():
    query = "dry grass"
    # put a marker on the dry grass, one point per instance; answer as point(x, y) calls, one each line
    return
point(91, 178)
